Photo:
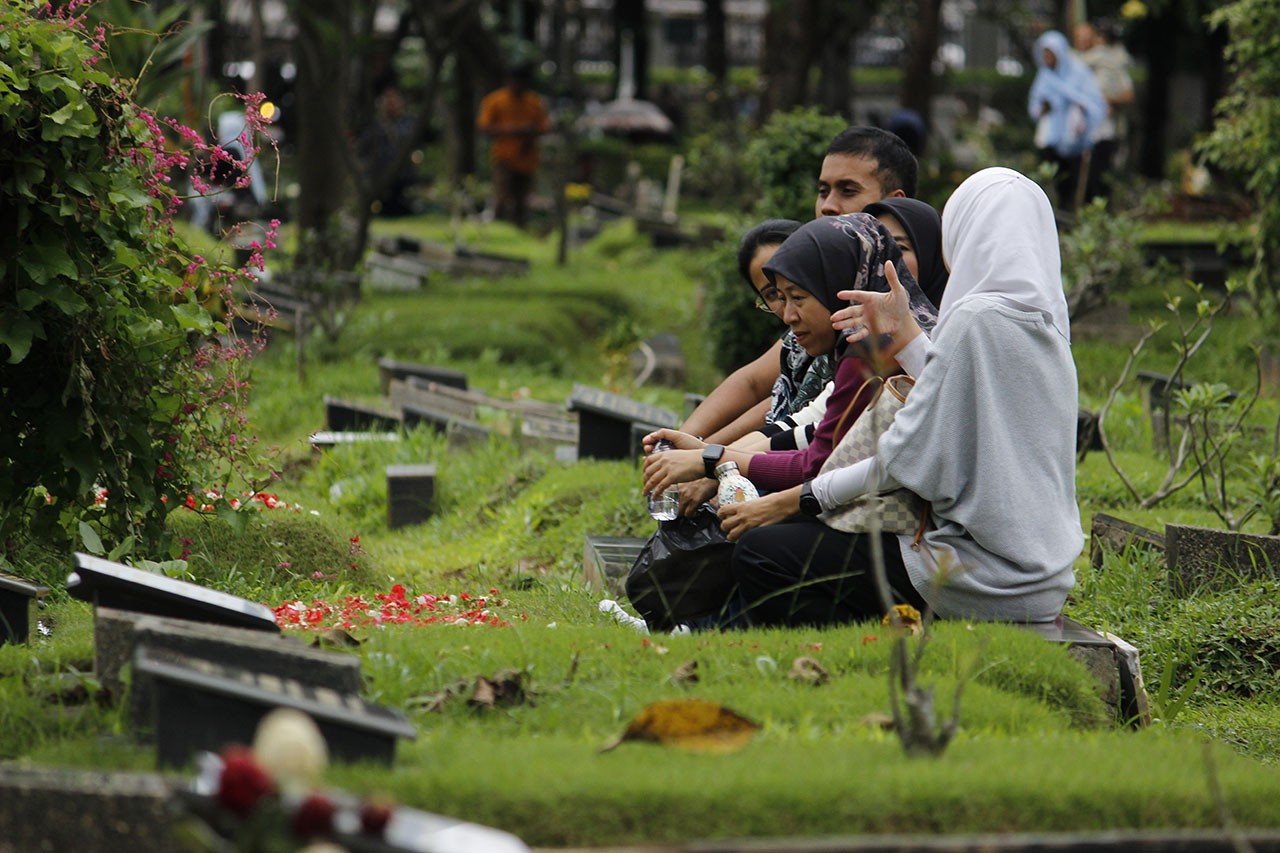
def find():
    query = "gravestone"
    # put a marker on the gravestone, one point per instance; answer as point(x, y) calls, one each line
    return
point(118, 633)
point(659, 361)
point(606, 560)
point(1108, 533)
point(411, 493)
point(326, 440)
point(198, 705)
point(428, 397)
point(43, 808)
point(605, 422)
point(1204, 556)
point(459, 430)
point(537, 428)
point(389, 369)
point(395, 273)
point(344, 416)
point(16, 595)
point(1160, 390)
point(107, 584)
point(1112, 662)
point(639, 430)
point(1087, 437)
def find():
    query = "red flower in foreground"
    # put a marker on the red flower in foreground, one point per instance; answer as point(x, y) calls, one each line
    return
point(314, 817)
point(374, 817)
point(242, 783)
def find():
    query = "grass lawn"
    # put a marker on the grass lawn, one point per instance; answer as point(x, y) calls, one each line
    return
point(1037, 749)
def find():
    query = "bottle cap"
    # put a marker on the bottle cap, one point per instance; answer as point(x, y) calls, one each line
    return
point(725, 468)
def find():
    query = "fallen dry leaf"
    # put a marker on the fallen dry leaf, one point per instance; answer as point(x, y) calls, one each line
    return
point(695, 725)
point(433, 702)
point(877, 720)
point(686, 673)
point(808, 670)
point(504, 689)
point(907, 616)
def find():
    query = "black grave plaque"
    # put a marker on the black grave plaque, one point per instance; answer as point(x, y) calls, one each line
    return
point(107, 584)
point(16, 595)
point(443, 423)
point(389, 368)
point(198, 705)
point(343, 416)
point(411, 492)
point(605, 419)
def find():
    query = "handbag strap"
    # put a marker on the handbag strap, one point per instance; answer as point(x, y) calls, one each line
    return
point(854, 399)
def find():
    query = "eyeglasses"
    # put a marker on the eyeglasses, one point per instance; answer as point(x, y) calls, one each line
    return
point(771, 300)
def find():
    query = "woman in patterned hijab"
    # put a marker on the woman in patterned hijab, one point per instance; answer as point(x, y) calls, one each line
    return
point(820, 259)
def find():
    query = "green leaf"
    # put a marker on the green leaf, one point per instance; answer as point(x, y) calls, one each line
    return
point(44, 261)
point(17, 334)
point(191, 316)
point(121, 550)
point(63, 115)
point(92, 542)
point(234, 518)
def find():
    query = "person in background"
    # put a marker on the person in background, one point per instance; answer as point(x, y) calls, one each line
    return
point(513, 118)
point(1067, 107)
point(862, 165)
point(1110, 64)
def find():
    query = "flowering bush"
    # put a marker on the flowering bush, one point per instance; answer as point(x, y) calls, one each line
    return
point(392, 608)
point(118, 376)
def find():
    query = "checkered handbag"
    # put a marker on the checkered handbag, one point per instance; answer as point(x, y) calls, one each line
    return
point(898, 511)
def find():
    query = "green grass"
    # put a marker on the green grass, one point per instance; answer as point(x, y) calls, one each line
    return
point(1037, 750)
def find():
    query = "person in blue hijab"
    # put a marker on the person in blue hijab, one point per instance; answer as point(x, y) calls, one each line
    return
point(1068, 108)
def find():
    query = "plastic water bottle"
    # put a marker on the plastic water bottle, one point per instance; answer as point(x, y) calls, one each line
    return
point(666, 506)
point(734, 488)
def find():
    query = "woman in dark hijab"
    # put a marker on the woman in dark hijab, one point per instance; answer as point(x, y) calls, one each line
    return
point(815, 263)
point(921, 226)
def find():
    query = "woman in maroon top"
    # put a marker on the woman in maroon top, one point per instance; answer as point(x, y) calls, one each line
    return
point(822, 258)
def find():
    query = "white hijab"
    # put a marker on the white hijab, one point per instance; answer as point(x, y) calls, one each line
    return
point(999, 240)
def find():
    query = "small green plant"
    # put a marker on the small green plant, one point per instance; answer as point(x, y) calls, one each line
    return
point(1101, 253)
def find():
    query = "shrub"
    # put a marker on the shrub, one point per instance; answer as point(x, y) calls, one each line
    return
point(736, 331)
point(116, 392)
point(786, 154)
point(1246, 137)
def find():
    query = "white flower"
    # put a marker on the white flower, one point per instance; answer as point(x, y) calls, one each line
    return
point(289, 746)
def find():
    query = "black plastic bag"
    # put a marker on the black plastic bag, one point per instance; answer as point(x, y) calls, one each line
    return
point(684, 572)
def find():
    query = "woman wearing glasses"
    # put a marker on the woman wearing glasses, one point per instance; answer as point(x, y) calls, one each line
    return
point(807, 312)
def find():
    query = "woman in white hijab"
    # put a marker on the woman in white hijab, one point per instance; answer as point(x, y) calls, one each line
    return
point(987, 437)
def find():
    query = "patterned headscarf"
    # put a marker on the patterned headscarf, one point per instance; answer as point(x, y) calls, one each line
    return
point(847, 252)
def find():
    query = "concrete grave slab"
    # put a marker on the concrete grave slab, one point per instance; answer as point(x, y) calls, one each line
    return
point(1199, 556)
point(1108, 533)
point(57, 809)
point(117, 634)
point(390, 368)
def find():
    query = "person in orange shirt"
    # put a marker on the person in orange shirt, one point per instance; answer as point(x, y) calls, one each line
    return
point(513, 118)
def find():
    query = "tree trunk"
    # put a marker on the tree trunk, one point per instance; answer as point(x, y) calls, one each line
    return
point(789, 51)
point(1159, 37)
point(464, 118)
point(629, 17)
point(917, 77)
point(717, 57)
point(322, 55)
point(835, 65)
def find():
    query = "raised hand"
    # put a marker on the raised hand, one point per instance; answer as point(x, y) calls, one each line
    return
point(878, 314)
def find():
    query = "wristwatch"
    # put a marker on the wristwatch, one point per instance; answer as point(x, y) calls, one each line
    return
point(808, 500)
point(711, 458)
